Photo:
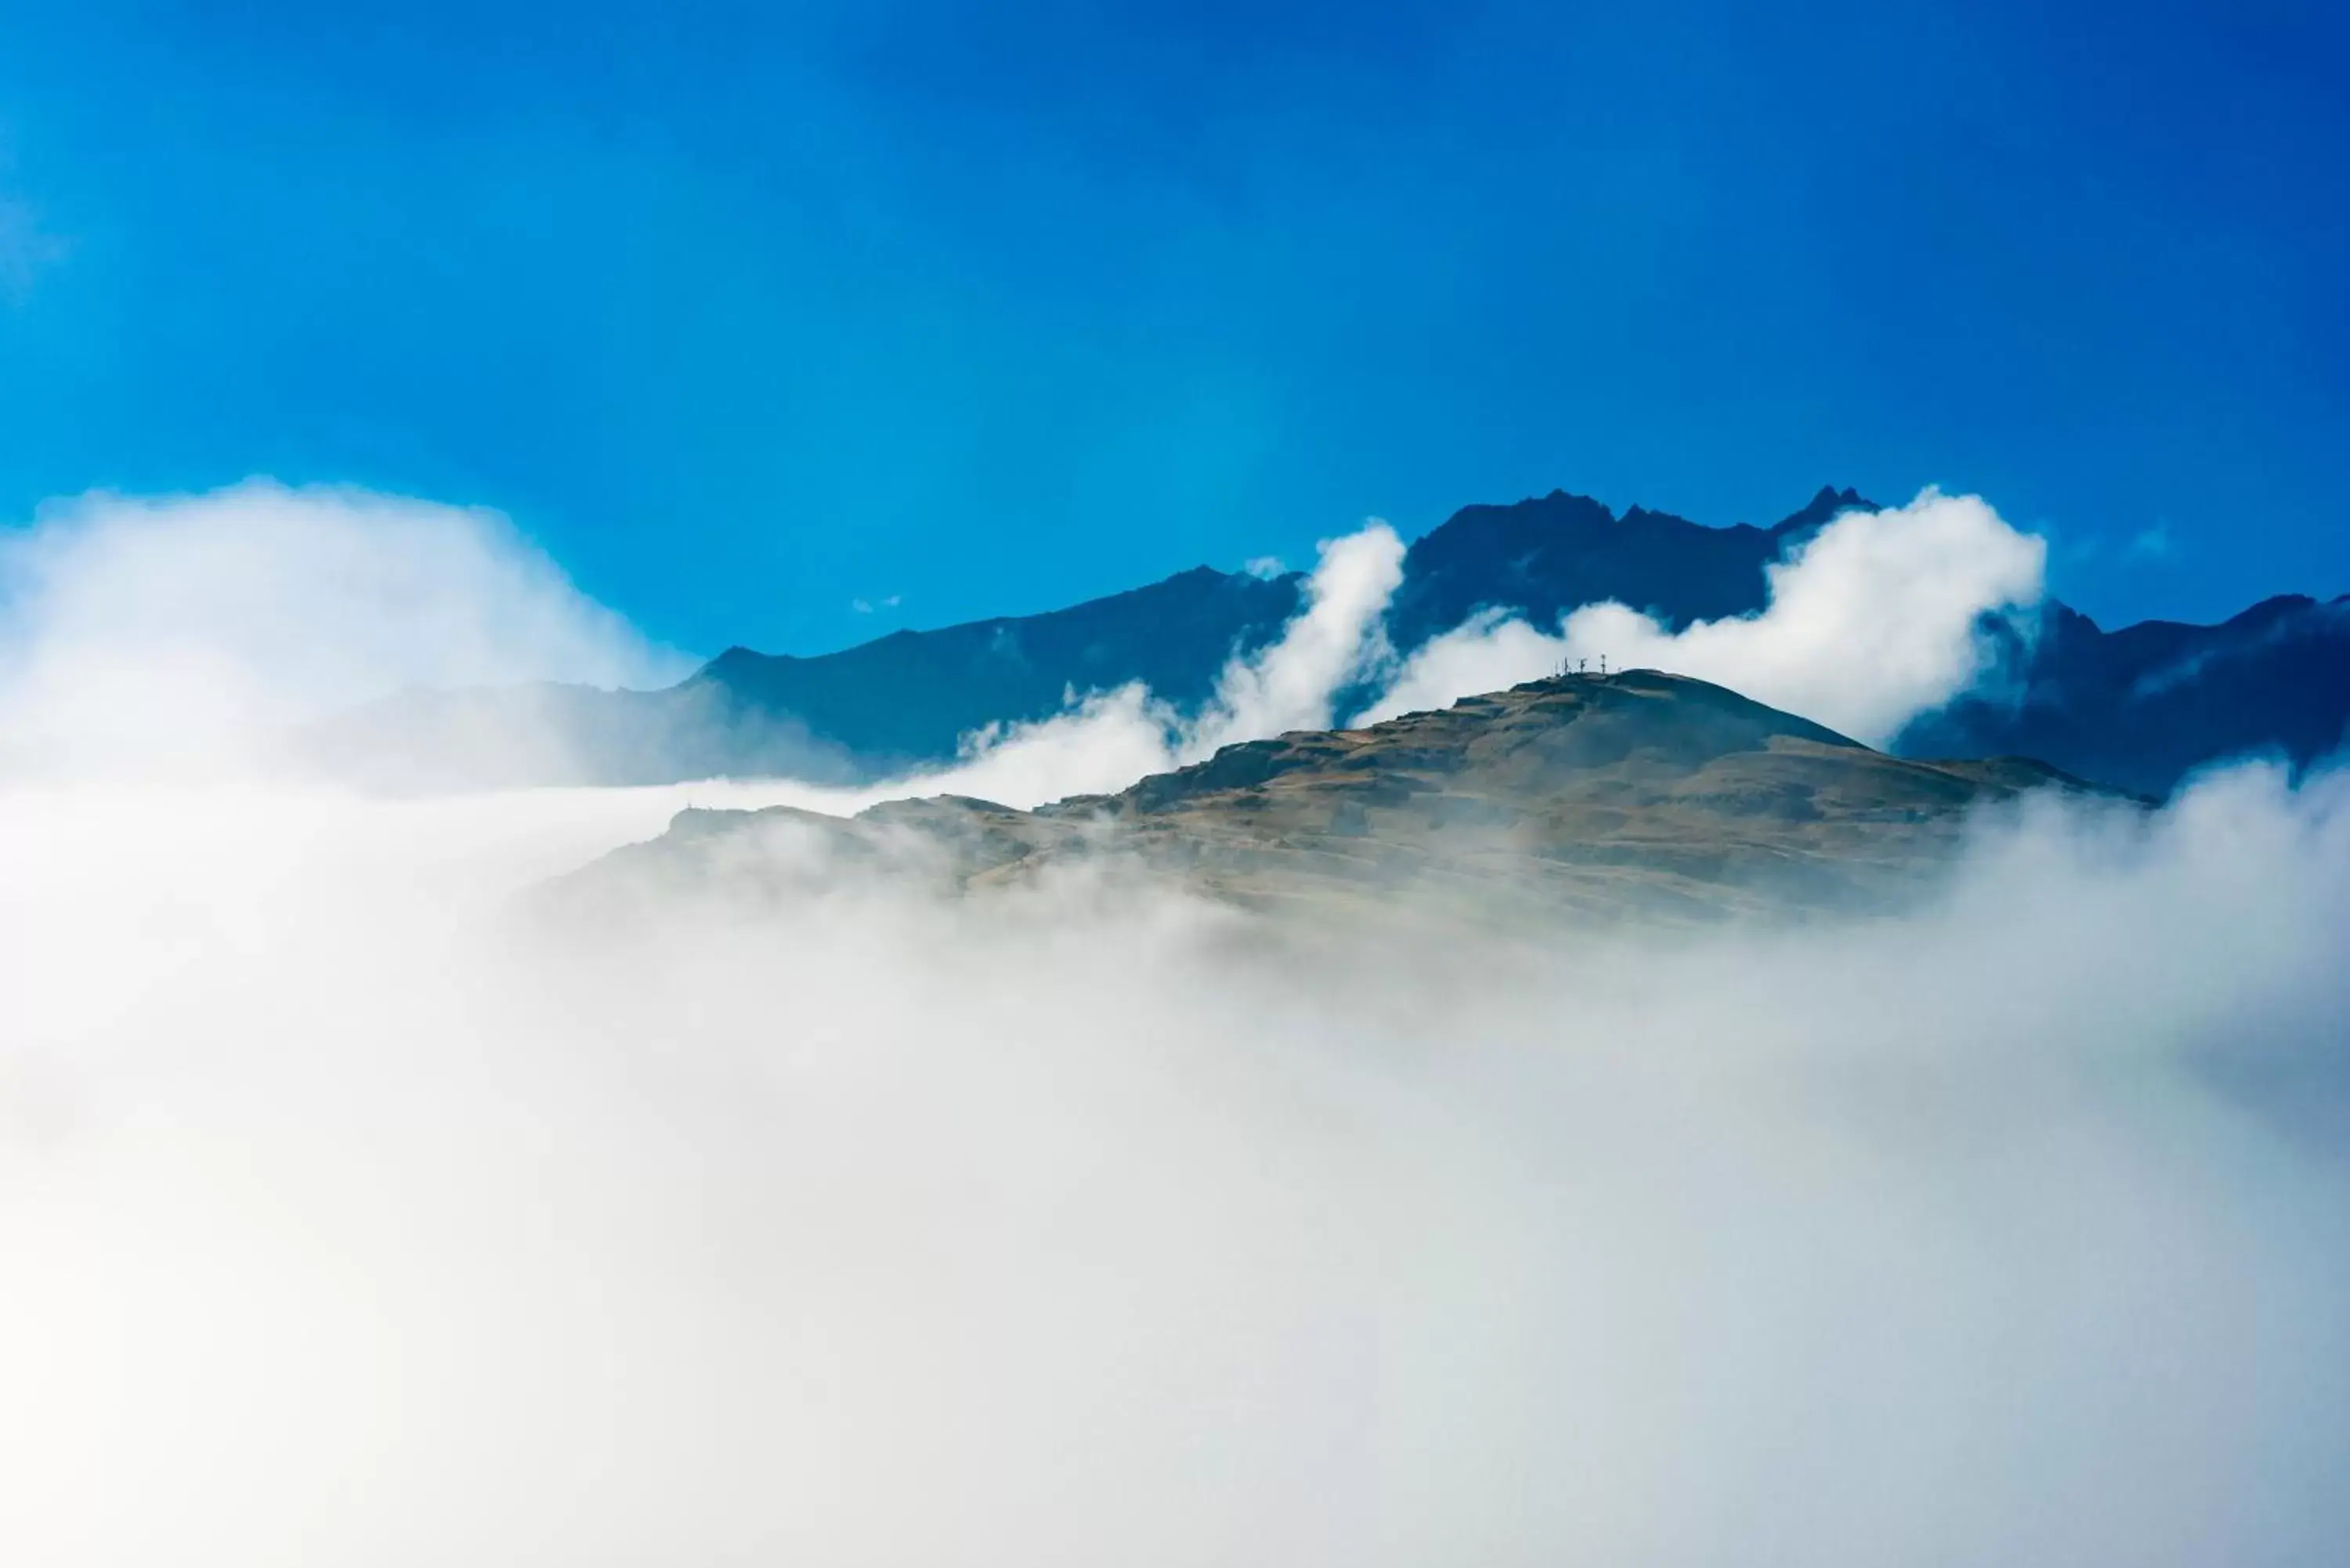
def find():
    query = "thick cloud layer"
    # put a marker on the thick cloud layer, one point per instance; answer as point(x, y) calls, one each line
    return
point(349, 1222)
point(353, 1213)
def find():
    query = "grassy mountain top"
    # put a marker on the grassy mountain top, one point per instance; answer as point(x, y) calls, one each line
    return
point(1638, 793)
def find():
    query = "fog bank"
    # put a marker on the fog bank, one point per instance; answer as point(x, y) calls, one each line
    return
point(353, 1212)
point(349, 1220)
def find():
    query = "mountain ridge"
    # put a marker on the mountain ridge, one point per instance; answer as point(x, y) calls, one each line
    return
point(1638, 793)
point(2139, 707)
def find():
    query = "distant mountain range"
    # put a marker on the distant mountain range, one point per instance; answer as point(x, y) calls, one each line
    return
point(2141, 707)
point(1639, 795)
point(2137, 708)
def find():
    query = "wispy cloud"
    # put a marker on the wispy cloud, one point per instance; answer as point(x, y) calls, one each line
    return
point(27, 249)
point(1107, 740)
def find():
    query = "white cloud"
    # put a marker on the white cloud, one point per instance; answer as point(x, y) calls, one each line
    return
point(363, 1227)
point(359, 1219)
point(160, 626)
point(1870, 623)
point(1106, 741)
point(1333, 640)
point(141, 628)
point(1100, 743)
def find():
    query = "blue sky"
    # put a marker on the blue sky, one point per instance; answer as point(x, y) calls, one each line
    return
point(750, 313)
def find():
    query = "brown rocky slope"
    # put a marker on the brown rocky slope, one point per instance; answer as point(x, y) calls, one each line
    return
point(1638, 793)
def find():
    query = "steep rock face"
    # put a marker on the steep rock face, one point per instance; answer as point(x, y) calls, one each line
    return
point(1636, 793)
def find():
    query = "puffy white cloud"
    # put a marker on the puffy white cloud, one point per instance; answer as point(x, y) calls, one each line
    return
point(180, 626)
point(1291, 684)
point(189, 626)
point(1100, 743)
point(1869, 623)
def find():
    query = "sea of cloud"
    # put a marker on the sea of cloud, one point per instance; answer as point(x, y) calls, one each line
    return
point(350, 1214)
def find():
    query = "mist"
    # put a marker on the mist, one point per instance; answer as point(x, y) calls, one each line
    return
point(1104, 741)
point(179, 631)
point(356, 1211)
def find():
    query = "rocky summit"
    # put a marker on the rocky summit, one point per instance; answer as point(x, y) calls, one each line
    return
point(1633, 794)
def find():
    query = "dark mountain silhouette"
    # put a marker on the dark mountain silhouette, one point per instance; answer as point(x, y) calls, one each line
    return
point(1557, 553)
point(907, 698)
point(2142, 707)
point(2137, 708)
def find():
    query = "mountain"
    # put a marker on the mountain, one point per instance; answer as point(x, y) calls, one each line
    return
point(1638, 793)
point(2137, 708)
point(1544, 557)
point(2142, 707)
point(909, 699)
point(880, 709)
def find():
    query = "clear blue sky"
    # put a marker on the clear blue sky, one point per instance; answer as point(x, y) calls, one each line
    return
point(749, 311)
